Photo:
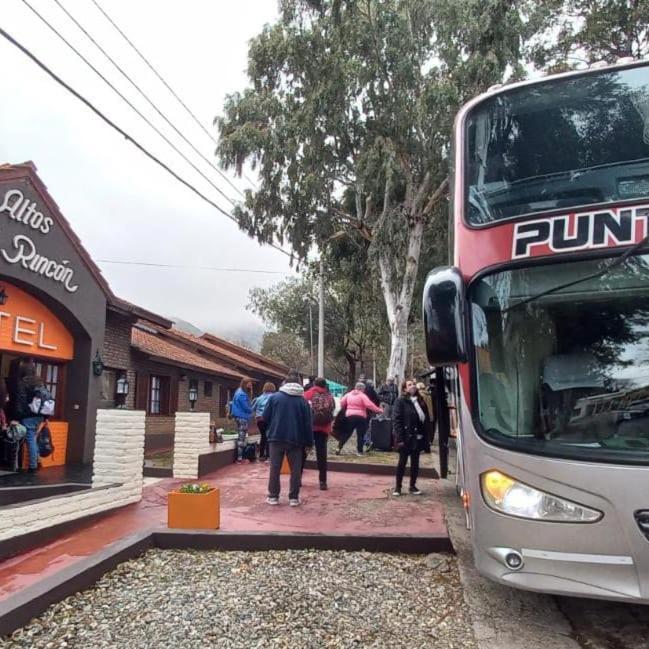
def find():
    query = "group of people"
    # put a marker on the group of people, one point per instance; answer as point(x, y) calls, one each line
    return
point(21, 401)
point(293, 420)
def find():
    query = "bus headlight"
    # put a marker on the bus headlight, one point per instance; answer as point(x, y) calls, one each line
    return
point(508, 496)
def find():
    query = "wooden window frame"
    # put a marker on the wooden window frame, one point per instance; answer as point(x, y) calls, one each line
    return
point(42, 366)
point(208, 389)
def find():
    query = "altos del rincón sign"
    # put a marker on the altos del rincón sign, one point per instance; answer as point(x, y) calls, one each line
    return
point(24, 251)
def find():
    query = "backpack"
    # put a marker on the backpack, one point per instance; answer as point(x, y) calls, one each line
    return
point(45, 446)
point(15, 433)
point(42, 402)
point(323, 406)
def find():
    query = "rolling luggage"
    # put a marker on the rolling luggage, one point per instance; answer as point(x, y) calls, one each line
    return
point(381, 433)
point(250, 452)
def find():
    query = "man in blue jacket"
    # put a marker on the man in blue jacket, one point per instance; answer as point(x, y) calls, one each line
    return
point(289, 432)
point(241, 410)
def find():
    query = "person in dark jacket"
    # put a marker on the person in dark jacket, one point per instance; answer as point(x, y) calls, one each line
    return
point(22, 383)
point(388, 394)
point(413, 433)
point(241, 410)
point(289, 432)
point(369, 390)
point(322, 410)
point(258, 406)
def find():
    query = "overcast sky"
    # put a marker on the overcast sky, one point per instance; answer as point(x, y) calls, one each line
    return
point(122, 206)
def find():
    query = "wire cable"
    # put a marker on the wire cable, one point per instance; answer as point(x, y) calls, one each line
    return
point(119, 130)
point(184, 266)
point(127, 101)
point(160, 77)
point(146, 98)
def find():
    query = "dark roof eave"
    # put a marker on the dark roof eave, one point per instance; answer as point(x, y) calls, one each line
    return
point(127, 308)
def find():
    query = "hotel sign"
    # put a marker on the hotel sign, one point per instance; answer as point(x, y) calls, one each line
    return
point(24, 251)
point(29, 327)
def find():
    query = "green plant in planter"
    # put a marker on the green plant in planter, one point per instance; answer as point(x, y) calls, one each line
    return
point(195, 488)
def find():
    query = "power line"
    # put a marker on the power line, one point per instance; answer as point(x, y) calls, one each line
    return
point(155, 265)
point(126, 100)
point(146, 98)
point(160, 77)
point(119, 130)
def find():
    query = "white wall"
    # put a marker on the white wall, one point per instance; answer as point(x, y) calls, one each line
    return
point(119, 456)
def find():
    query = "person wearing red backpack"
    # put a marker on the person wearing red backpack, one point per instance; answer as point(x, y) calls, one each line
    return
point(322, 410)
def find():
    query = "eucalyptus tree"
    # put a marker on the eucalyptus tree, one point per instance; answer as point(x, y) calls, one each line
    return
point(347, 119)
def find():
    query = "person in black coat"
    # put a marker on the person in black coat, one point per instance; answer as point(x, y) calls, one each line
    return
point(413, 433)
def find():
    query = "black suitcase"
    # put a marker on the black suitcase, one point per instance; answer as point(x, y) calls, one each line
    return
point(250, 452)
point(381, 433)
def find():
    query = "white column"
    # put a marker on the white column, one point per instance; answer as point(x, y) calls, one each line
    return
point(191, 439)
point(119, 448)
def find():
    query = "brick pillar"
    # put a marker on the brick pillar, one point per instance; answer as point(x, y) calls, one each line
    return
point(119, 449)
point(191, 439)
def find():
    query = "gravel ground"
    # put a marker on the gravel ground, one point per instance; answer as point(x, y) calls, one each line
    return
point(294, 599)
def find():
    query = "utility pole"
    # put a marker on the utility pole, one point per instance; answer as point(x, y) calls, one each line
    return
point(321, 370)
point(311, 337)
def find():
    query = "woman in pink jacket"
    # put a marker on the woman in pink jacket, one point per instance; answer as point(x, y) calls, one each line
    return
point(356, 404)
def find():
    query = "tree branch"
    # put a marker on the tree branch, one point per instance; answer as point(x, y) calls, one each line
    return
point(437, 195)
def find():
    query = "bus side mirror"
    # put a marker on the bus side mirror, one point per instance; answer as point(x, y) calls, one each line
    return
point(444, 317)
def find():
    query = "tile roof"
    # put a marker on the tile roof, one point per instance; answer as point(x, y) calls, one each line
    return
point(246, 353)
point(162, 347)
point(234, 354)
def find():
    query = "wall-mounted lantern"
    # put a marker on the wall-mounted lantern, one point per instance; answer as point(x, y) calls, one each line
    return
point(122, 385)
point(193, 394)
point(97, 365)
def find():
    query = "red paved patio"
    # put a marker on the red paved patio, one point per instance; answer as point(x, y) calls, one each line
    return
point(354, 504)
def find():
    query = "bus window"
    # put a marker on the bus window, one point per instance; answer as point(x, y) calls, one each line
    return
point(553, 147)
point(567, 372)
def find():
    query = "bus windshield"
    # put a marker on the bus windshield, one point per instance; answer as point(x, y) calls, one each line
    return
point(566, 374)
point(557, 145)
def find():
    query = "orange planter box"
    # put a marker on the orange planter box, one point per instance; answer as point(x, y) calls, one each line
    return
point(59, 432)
point(194, 511)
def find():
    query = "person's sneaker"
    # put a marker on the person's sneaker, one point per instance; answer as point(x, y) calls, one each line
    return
point(272, 501)
point(359, 454)
point(239, 461)
point(415, 492)
point(294, 502)
point(396, 492)
point(323, 486)
point(337, 451)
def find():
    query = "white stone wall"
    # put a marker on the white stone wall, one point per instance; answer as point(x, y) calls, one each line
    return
point(119, 456)
point(191, 439)
point(119, 448)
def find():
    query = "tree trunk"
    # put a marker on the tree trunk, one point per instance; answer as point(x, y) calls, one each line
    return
point(398, 298)
point(351, 370)
point(398, 347)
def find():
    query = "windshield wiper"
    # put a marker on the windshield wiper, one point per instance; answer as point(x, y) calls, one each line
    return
point(600, 273)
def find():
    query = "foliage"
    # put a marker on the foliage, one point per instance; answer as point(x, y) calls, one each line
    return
point(570, 33)
point(288, 348)
point(195, 488)
point(354, 323)
point(348, 119)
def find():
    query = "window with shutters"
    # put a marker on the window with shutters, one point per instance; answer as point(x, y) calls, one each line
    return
point(155, 395)
point(159, 401)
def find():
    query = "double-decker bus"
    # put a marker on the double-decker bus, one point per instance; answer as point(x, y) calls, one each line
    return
point(545, 316)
